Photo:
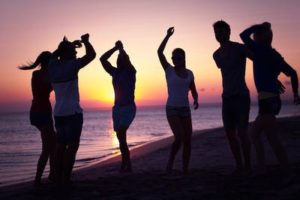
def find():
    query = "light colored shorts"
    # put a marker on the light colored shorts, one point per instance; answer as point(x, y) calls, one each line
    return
point(123, 116)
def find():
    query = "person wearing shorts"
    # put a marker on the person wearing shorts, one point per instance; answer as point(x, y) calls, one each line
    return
point(267, 65)
point(230, 58)
point(124, 109)
point(41, 113)
point(63, 72)
point(180, 81)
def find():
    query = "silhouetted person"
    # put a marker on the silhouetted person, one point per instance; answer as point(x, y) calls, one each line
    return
point(41, 113)
point(230, 58)
point(267, 65)
point(123, 79)
point(180, 81)
point(63, 71)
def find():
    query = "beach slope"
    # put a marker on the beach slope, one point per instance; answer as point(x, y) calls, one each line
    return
point(210, 175)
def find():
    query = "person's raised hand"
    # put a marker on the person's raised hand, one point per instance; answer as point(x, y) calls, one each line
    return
point(170, 31)
point(77, 43)
point(119, 45)
point(85, 38)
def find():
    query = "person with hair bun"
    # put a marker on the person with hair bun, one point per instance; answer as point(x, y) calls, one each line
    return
point(41, 112)
point(63, 70)
point(124, 109)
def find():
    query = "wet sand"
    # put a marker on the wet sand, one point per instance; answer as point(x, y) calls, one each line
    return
point(210, 174)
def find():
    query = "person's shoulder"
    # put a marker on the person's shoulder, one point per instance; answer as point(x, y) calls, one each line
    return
point(190, 71)
point(216, 53)
point(36, 73)
point(237, 45)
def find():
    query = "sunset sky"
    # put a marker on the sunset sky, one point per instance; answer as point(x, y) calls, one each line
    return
point(29, 27)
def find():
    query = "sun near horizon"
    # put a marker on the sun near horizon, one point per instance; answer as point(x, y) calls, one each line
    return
point(30, 27)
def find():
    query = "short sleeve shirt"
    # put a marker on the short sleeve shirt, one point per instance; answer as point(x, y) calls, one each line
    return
point(178, 87)
point(64, 80)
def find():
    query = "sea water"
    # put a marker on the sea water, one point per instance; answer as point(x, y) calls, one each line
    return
point(20, 143)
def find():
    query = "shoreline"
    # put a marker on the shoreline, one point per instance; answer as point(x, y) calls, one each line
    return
point(110, 159)
point(210, 171)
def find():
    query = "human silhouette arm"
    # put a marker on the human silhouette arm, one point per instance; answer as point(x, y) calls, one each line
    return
point(194, 94)
point(122, 52)
point(162, 46)
point(281, 87)
point(246, 37)
point(290, 72)
point(90, 53)
point(104, 60)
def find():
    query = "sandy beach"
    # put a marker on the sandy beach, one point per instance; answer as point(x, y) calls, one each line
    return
point(210, 176)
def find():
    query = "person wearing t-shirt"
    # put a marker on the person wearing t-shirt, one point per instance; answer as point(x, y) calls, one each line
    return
point(267, 65)
point(180, 81)
point(63, 72)
point(230, 58)
point(124, 110)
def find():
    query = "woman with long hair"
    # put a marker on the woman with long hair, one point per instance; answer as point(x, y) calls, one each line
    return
point(123, 79)
point(180, 81)
point(41, 112)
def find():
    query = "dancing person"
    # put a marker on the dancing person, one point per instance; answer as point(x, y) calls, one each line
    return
point(63, 71)
point(41, 113)
point(124, 109)
point(230, 58)
point(267, 65)
point(180, 81)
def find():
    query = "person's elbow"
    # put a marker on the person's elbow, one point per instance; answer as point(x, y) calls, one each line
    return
point(160, 51)
point(242, 36)
point(293, 74)
point(93, 55)
point(102, 59)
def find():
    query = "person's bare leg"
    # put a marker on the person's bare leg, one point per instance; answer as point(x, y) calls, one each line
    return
point(58, 162)
point(276, 145)
point(52, 146)
point(235, 148)
point(126, 162)
point(178, 131)
point(258, 128)
point(187, 138)
point(246, 148)
point(69, 160)
point(45, 135)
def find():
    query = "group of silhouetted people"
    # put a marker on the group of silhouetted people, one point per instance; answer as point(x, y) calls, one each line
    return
point(59, 72)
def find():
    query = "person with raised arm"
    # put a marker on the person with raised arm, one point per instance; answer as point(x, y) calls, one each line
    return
point(41, 113)
point(180, 81)
point(267, 65)
point(63, 72)
point(124, 109)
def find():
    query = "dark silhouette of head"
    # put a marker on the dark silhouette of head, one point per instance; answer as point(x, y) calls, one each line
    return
point(178, 57)
point(222, 31)
point(123, 60)
point(42, 60)
point(264, 34)
point(67, 50)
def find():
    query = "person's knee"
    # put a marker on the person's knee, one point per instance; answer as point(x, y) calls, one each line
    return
point(187, 143)
point(177, 141)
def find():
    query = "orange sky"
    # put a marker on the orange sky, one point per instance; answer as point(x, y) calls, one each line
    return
point(32, 26)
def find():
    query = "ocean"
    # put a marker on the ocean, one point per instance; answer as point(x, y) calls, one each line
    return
point(20, 143)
